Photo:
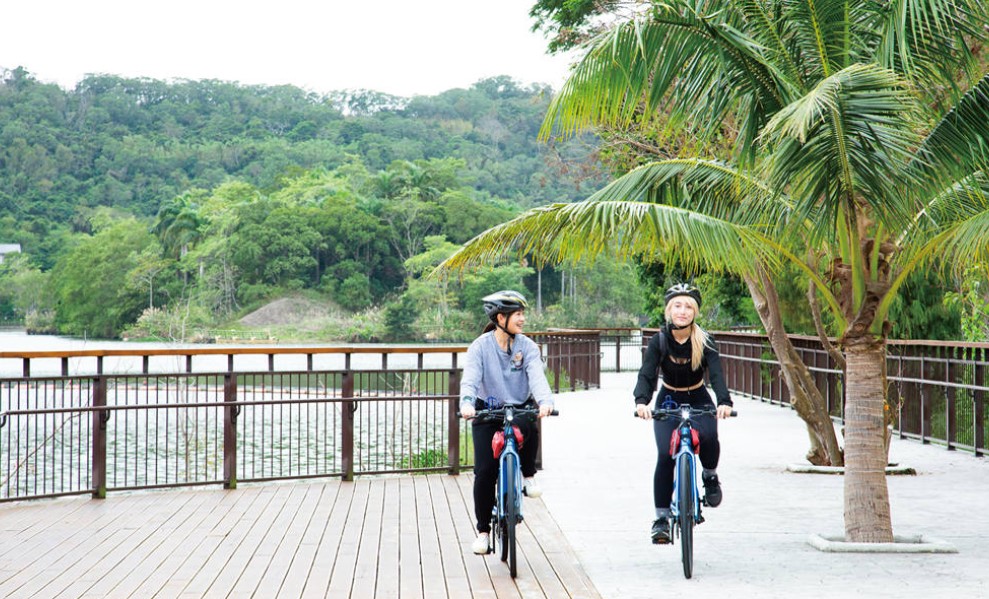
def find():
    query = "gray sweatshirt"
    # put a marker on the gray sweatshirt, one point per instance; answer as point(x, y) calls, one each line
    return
point(509, 376)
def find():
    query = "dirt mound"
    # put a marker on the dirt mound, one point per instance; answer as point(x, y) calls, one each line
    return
point(288, 311)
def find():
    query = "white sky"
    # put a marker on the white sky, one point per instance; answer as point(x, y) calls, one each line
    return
point(400, 47)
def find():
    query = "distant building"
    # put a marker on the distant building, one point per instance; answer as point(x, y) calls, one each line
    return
point(9, 248)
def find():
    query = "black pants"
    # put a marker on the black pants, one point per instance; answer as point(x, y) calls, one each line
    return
point(486, 466)
point(707, 430)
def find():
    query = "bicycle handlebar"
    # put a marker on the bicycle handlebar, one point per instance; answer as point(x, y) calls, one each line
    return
point(500, 412)
point(664, 413)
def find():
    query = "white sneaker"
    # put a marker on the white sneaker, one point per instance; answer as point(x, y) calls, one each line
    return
point(481, 544)
point(530, 488)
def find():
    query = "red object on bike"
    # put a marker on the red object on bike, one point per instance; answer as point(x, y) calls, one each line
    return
point(498, 441)
point(675, 441)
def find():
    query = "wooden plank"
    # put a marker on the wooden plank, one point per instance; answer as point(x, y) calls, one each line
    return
point(431, 559)
point(60, 552)
point(541, 580)
point(366, 563)
point(262, 551)
point(348, 543)
point(134, 565)
point(278, 566)
point(302, 566)
point(160, 567)
point(378, 537)
point(243, 550)
point(559, 555)
point(213, 557)
point(389, 565)
point(451, 548)
point(410, 574)
point(486, 573)
point(328, 543)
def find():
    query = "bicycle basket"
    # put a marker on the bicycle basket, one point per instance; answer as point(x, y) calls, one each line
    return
point(498, 441)
point(675, 441)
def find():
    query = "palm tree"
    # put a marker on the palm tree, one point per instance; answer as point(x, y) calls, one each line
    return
point(850, 140)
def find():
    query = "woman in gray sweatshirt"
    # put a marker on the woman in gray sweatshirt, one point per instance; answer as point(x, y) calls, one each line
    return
point(503, 366)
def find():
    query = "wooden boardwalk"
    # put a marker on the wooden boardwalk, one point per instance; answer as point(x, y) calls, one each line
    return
point(384, 537)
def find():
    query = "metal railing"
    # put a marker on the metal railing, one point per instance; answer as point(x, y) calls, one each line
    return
point(93, 432)
point(937, 389)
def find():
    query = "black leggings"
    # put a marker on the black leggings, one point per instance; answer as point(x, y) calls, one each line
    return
point(486, 466)
point(707, 430)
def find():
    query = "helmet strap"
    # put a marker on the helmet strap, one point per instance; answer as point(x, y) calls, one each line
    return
point(511, 336)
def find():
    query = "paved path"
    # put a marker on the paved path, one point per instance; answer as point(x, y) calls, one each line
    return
point(597, 484)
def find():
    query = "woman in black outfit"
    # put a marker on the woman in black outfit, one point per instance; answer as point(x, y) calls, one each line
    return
point(682, 352)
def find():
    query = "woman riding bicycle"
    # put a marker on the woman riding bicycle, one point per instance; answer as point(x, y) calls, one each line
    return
point(682, 352)
point(502, 366)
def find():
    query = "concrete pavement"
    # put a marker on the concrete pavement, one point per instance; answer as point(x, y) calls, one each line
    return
point(597, 484)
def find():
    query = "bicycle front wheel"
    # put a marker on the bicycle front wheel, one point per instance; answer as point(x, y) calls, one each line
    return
point(511, 519)
point(686, 482)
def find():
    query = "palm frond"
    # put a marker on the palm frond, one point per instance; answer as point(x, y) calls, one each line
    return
point(708, 187)
point(630, 71)
point(846, 141)
point(959, 142)
point(927, 41)
point(586, 230)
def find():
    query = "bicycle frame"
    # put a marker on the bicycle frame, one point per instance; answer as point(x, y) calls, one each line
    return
point(509, 473)
point(507, 512)
point(686, 448)
point(685, 507)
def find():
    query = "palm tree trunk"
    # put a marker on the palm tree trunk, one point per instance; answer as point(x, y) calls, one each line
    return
point(867, 517)
point(804, 395)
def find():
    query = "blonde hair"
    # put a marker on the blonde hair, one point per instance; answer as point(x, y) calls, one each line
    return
point(698, 337)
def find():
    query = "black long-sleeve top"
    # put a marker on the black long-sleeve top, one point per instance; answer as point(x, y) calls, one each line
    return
point(677, 371)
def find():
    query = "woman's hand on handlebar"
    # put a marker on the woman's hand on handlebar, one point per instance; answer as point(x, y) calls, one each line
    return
point(467, 411)
point(642, 411)
point(545, 409)
point(724, 411)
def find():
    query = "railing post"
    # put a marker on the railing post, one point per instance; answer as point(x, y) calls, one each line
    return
point(951, 413)
point(230, 413)
point(618, 353)
point(99, 420)
point(347, 408)
point(453, 423)
point(979, 406)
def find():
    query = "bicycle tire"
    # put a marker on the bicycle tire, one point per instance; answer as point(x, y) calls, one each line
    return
point(686, 483)
point(511, 519)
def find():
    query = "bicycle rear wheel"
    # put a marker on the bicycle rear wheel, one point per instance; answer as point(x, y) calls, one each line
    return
point(686, 482)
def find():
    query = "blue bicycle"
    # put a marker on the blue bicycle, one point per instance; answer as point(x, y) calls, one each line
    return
point(685, 508)
point(507, 512)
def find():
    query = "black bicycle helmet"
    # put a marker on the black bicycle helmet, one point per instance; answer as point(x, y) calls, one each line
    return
point(503, 302)
point(684, 289)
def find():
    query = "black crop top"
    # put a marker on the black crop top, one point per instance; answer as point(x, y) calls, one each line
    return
point(676, 369)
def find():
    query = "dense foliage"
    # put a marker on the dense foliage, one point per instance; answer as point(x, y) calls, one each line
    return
point(193, 201)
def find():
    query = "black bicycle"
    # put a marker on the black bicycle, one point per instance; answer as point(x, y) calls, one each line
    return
point(685, 508)
point(507, 512)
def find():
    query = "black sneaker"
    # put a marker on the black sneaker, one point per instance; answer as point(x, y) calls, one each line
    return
point(712, 490)
point(661, 531)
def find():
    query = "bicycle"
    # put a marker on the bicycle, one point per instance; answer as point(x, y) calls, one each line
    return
point(507, 512)
point(685, 507)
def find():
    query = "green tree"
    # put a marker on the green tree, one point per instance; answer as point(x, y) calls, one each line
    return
point(91, 281)
point(827, 106)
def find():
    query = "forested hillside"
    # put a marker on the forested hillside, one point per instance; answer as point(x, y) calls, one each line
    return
point(182, 204)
